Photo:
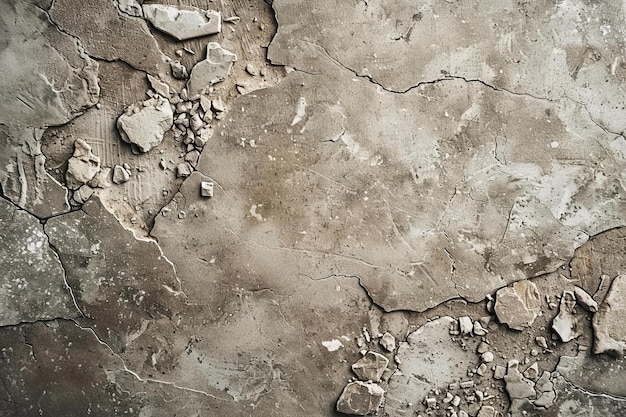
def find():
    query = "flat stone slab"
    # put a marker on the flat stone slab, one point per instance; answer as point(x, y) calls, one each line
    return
point(360, 398)
point(517, 306)
point(183, 22)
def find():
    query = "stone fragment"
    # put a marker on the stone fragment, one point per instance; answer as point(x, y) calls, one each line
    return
point(251, 69)
point(212, 70)
point(83, 193)
point(388, 342)
point(206, 189)
point(517, 385)
point(487, 411)
point(541, 342)
point(82, 166)
point(532, 372)
point(482, 369)
point(159, 86)
point(567, 324)
point(120, 175)
point(478, 329)
point(370, 367)
point(144, 124)
point(545, 391)
point(482, 348)
point(499, 372)
point(430, 402)
point(585, 300)
point(183, 23)
point(192, 157)
point(608, 322)
point(196, 123)
point(183, 170)
point(517, 306)
point(130, 7)
point(101, 179)
point(179, 71)
point(360, 398)
point(487, 357)
point(465, 325)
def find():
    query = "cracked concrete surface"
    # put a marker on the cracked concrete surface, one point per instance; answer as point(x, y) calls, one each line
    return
point(379, 171)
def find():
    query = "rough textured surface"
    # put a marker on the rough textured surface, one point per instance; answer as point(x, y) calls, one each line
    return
point(332, 192)
point(183, 23)
point(32, 283)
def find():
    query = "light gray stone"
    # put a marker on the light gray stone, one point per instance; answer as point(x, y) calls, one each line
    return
point(360, 398)
point(370, 367)
point(608, 322)
point(568, 324)
point(585, 300)
point(212, 70)
point(183, 22)
point(144, 124)
point(120, 175)
point(517, 306)
point(388, 342)
point(82, 166)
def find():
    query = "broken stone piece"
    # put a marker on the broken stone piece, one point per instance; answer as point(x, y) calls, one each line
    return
point(532, 372)
point(517, 306)
point(585, 300)
point(183, 23)
point(120, 174)
point(370, 367)
point(183, 170)
point(360, 398)
point(212, 70)
point(159, 86)
point(179, 71)
point(499, 372)
point(517, 385)
point(541, 342)
point(465, 325)
point(567, 324)
point(144, 124)
point(388, 342)
point(206, 189)
point(545, 389)
point(251, 69)
point(82, 194)
point(82, 166)
point(608, 322)
point(487, 411)
point(487, 357)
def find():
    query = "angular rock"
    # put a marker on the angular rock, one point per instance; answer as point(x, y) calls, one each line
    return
point(517, 306)
point(83, 194)
point(32, 285)
point(82, 166)
point(159, 86)
point(179, 71)
point(465, 325)
point(585, 300)
point(120, 175)
point(487, 411)
point(370, 367)
point(545, 391)
point(144, 124)
point(214, 69)
point(360, 398)
point(608, 322)
point(183, 23)
point(568, 324)
point(206, 189)
point(183, 170)
point(388, 342)
point(517, 386)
